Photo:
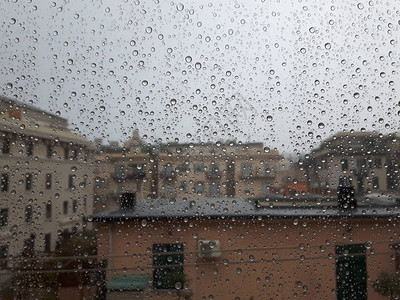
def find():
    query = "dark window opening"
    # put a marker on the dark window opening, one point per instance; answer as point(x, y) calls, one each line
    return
point(4, 182)
point(3, 217)
point(65, 207)
point(3, 256)
point(66, 153)
point(47, 242)
point(71, 181)
point(48, 210)
point(28, 182)
point(29, 148)
point(6, 145)
point(165, 277)
point(49, 151)
point(74, 206)
point(48, 181)
point(28, 214)
point(351, 272)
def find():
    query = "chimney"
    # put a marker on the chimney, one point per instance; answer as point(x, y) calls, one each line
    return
point(346, 198)
point(127, 201)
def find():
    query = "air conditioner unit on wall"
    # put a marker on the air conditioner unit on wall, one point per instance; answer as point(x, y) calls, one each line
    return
point(209, 248)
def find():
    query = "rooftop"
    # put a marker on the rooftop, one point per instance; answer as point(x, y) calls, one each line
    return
point(212, 208)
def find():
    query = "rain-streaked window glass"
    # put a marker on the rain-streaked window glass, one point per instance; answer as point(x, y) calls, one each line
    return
point(199, 150)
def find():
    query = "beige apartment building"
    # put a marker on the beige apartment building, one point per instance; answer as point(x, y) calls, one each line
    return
point(182, 171)
point(356, 158)
point(46, 173)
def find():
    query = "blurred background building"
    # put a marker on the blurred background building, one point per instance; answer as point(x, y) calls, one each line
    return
point(46, 172)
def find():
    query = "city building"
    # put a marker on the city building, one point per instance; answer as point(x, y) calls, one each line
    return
point(179, 171)
point(219, 248)
point(45, 174)
point(359, 159)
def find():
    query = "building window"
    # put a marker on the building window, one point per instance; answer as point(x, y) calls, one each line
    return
point(71, 181)
point(247, 188)
point(169, 190)
point(6, 145)
point(345, 181)
point(74, 206)
point(199, 187)
point(49, 151)
point(3, 256)
point(183, 186)
point(168, 170)
point(267, 169)
point(48, 181)
point(165, 277)
point(3, 217)
point(214, 189)
point(247, 170)
point(75, 154)
point(47, 242)
point(377, 163)
point(28, 213)
point(28, 182)
point(120, 172)
point(65, 207)
point(361, 163)
point(351, 271)
point(4, 182)
point(214, 170)
point(375, 182)
point(29, 148)
point(184, 167)
point(345, 164)
point(29, 245)
point(48, 210)
point(265, 188)
point(199, 167)
point(66, 153)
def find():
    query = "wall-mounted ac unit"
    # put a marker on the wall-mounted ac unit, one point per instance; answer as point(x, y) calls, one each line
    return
point(209, 248)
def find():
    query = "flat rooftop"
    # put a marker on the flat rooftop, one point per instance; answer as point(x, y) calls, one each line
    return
point(222, 208)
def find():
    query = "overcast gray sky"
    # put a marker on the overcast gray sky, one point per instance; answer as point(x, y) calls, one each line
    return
point(286, 73)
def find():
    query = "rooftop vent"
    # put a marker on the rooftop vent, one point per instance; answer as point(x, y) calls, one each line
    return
point(127, 200)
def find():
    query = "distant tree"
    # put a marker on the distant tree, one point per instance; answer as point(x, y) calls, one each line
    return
point(388, 284)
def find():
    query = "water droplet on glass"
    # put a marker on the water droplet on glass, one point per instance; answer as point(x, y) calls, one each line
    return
point(197, 66)
point(70, 61)
point(321, 125)
point(149, 30)
point(180, 6)
point(188, 59)
point(328, 46)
